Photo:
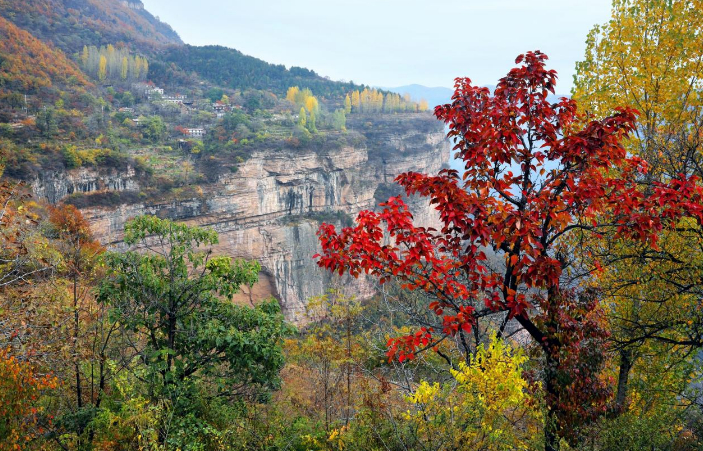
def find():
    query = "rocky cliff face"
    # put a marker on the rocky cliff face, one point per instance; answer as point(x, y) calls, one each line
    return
point(271, 207)
point(55, 186)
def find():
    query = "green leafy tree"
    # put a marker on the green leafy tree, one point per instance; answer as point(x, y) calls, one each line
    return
point(183, 335)
point(312, 122)
point(214, 94)
point(128, 99)
point(338, 120)
point(70, 157)
point(47, 122)
point(302, 117)
point(347, 104)
point(155, 129)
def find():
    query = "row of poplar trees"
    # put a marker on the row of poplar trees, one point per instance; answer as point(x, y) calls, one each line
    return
point(109, 63)
point(375, 101)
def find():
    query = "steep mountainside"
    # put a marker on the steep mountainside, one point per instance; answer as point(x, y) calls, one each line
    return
point(271, 208)
point(102, 107)
point(71, 24)
point(232, 69)
point(26, 63)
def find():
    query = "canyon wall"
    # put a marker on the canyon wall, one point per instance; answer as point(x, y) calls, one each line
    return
point(270, 209)
point(53, 186)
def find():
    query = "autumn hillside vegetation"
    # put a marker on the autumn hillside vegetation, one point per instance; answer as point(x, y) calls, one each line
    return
point(71, 24)
point(231, 68)
point(28, 63)
point(556, 304)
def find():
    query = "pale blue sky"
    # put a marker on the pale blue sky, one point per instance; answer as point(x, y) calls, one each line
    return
point(393, 42)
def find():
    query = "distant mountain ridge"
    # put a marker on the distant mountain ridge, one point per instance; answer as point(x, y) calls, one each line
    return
point(71, 24)
point(231, 68)
point(62, 28)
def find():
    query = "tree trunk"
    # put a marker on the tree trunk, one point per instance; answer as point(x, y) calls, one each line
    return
point(551, 426)
point(348, 413)
point(99, 398)
point(626, 362)
point(325, 372)
point(76, 324)
point(76, 365)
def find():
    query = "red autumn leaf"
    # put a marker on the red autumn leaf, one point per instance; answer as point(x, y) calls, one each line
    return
point(588, 184)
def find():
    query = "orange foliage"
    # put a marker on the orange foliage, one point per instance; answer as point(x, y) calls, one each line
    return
point(71, 25)
point(31, 64)
point(20, 415)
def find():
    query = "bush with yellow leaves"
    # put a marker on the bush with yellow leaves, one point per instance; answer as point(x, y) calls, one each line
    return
point(489, 405)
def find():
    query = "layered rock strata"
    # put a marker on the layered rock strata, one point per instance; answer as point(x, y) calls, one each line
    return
point(271, 208)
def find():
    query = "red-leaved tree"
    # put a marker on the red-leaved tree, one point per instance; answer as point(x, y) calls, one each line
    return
point(536, 181)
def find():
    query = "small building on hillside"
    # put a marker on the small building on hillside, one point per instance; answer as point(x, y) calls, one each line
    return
point(195, 132)
point(178, 98)
point(220, 106)
point(152, 91)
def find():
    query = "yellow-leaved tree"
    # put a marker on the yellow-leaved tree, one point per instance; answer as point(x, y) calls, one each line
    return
point(292, 93)
point(649, 57)
point(124, 70)
point(311, 104)
point(102, 68)
point(489, 405)
point(355, 101)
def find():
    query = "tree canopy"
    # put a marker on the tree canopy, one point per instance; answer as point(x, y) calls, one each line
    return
point(570, 181)
point(173, 300)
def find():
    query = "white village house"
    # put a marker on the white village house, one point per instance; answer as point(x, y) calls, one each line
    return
point(195, 132)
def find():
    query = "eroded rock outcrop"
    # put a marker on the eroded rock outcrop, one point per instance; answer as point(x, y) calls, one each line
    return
point(270, 209)
point(54, 186)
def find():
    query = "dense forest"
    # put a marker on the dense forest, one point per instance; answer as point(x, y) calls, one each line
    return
point(231, 68)
point(556, 306)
